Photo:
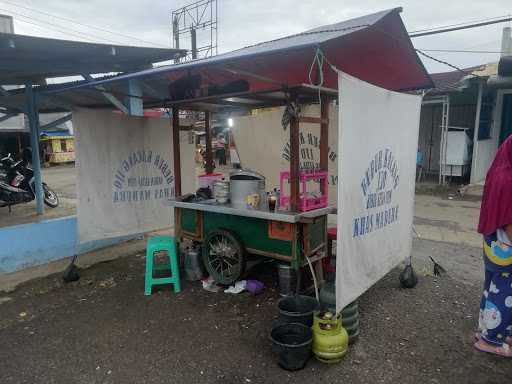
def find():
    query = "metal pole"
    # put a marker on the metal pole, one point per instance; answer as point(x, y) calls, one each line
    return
point(294, 164)
point(446, 135)
point(324, 136)
point(176, 32)
point(474, 158)
point(33, 120)
point(194, 42)
point(445, 121)
point(210, 167)
point(176, 151)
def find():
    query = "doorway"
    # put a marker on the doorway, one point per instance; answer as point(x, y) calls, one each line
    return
point(506, 117)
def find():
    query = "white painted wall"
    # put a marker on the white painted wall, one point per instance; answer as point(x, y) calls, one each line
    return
point(485, 150)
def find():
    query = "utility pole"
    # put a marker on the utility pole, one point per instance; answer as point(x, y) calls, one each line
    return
point(506, 42)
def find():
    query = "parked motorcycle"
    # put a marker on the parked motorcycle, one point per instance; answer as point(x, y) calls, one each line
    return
point(17, 184)
point(5, 163)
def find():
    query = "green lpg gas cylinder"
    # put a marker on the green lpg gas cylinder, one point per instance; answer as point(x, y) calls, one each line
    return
point(330, 339)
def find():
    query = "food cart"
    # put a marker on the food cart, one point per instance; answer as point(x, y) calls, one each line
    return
point(227, 232)
point(291, 71)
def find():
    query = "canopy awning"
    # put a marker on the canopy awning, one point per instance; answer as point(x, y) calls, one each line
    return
point(375, 48)
point(29, 58)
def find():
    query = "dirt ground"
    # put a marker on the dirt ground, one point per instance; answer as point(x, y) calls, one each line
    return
point(102, 329)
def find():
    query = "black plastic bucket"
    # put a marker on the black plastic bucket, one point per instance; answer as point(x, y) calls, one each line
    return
point(292, 344)
point(297, 309)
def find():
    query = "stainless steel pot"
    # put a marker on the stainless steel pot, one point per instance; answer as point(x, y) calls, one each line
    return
point(244, 185)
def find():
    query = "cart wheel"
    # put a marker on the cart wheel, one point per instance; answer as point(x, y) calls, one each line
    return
point(223, 256)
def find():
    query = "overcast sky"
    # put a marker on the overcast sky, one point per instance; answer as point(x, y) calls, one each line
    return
point(245, 22)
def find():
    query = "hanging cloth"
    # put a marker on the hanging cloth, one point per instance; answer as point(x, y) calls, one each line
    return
point(496, 208)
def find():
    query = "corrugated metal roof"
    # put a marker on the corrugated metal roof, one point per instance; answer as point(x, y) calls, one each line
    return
point(385, 26)
point(445, 82)
point(312, 37)
point(375, 48)
point(33, 58)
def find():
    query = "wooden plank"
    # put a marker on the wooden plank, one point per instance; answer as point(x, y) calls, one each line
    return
point(314, 120)
point(177, 224)
point(176, 150)
point(324, 137)
point(279, 230)
point(294, 164)
point(208, 137)
point(269, 254)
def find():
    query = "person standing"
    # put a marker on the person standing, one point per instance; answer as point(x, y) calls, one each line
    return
point(220, 150)
point(495, 319)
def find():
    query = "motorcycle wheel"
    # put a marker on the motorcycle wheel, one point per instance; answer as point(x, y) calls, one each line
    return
point(50, 197)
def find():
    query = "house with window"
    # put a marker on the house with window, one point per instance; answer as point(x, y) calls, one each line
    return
point(464, 119)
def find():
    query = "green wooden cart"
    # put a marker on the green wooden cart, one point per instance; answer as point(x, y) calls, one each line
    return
point(228, 235)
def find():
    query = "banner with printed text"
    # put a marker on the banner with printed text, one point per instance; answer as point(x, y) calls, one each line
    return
point(264, 146)
point(378, 138)
point(125, 173)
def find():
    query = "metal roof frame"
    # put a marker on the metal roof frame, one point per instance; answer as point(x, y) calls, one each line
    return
point(30, 58)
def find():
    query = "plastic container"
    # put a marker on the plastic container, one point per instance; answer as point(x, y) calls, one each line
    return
point(221, 191)
point(308, 200)
point(206, 180)
point(287, 277)
point(297, 309)
point(292, 344)
point(193, 265)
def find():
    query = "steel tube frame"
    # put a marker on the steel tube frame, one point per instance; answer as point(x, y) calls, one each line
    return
point(33, 119)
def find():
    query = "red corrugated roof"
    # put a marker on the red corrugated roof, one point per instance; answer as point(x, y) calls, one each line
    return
point(375, 48)
point(448, 81)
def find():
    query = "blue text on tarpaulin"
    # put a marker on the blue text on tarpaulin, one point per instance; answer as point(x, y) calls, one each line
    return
point(378, 183)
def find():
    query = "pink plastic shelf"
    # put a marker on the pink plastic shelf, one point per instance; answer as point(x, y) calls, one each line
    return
point(306, 202)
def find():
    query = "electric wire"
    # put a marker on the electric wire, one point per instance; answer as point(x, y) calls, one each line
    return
point(80, 23)
point(46, 24)
point(457, 24)
point(39, 26)
point(444, 62)
point(466, 26)
point(458, 51)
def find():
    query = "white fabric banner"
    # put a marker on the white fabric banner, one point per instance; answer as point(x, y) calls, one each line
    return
point(125, 173)
point(264, 146)
point(378, 138)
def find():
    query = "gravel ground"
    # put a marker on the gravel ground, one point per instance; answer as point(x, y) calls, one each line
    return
point(103, 330)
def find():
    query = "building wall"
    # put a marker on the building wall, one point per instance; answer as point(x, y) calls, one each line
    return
point(50, 240)
point(485, 150)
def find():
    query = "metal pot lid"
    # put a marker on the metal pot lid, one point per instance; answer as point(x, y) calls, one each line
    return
point(245, 174)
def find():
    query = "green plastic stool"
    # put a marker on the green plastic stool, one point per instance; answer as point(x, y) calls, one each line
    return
point(159, 244)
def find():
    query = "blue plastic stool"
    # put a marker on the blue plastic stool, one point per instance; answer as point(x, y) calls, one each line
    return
point(160, 244)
